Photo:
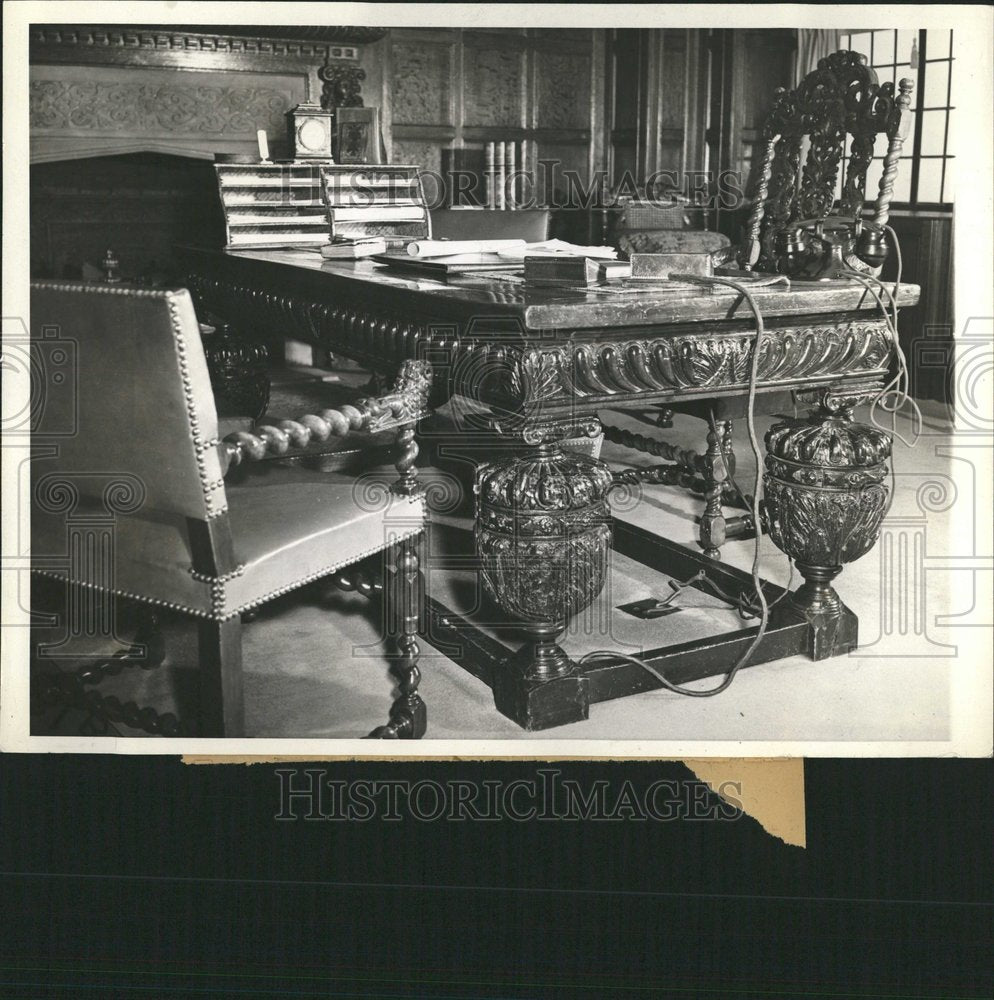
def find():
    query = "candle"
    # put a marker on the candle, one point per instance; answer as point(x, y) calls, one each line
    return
point(263, 145)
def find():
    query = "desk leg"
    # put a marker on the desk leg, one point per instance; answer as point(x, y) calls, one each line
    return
point(543, 537)
point(826, 496)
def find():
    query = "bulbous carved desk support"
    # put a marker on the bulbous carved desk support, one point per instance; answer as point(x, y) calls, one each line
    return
point(543, 537)
point(826, 496)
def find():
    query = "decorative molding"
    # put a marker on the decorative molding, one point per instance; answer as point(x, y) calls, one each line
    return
point(705, 361)
point(302, 42)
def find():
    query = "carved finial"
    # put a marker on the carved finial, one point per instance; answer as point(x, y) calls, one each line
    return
point(342, 86)
point(899, 134)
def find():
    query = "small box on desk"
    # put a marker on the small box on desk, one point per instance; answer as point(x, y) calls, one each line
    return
point(566, 271)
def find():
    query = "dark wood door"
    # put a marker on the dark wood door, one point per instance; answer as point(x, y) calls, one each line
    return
point(746, 67)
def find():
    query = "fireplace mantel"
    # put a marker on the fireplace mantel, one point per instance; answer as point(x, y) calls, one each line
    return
point(98, 90)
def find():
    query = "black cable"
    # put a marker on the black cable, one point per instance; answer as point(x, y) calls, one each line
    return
point(764, 616)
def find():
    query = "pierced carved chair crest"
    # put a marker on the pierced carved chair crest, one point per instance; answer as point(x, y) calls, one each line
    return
point(841, 98)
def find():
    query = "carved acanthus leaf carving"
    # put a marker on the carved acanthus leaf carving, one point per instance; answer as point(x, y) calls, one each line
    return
point(702, 361)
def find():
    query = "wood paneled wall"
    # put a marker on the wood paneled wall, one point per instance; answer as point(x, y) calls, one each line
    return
point(459, 88)
point(656, 94)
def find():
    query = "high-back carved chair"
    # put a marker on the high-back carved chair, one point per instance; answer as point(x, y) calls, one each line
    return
point(841, 99)
point(130, 496)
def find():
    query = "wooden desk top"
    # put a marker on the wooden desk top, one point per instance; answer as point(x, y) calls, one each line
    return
point(535, 308)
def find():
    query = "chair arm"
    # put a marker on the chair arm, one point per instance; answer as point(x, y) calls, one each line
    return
point(407, 403)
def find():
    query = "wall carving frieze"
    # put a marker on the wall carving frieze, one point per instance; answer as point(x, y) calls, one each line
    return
point(155, 107)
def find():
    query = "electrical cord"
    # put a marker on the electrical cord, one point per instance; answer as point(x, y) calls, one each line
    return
point(896, 393)
point(899, 387)
point(764, 607)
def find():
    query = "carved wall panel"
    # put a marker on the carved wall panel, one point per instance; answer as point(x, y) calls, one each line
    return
point(419, 91)
point(494, 83)
point(673, 73)
point(154, 107)
point(96, 110)
point(563, 90)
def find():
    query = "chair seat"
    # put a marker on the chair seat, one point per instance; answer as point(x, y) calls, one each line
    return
point(289, 526)
point(292, 524)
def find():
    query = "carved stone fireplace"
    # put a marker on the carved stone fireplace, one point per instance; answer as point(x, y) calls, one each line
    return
point(138, 204)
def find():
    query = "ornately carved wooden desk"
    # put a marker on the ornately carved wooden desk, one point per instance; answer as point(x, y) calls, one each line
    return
point(544, 362)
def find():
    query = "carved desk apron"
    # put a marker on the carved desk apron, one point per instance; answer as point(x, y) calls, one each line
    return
point(543, 361)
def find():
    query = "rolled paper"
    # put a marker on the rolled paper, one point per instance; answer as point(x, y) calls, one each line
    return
point(451, 248)
point(263, 145)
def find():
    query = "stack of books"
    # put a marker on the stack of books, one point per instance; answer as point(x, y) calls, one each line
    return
point(272, 205)
point(368, 200)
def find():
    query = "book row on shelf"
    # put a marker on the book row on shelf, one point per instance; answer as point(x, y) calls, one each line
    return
point(501, 177)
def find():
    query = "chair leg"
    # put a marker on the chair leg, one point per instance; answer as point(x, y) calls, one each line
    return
point(404, 597)
point(222, 702)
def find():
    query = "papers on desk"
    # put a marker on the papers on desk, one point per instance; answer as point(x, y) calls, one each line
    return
point(556, 248)
point(511, 250)
point(445, 258)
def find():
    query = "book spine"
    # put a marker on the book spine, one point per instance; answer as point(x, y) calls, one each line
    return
point(501, 177)
point(512, 178)
point(488, 175)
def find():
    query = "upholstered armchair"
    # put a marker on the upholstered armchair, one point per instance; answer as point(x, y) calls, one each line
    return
point(837, 110)
point(135, 495)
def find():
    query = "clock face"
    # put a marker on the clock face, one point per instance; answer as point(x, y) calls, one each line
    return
point(312, 135)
